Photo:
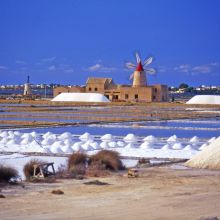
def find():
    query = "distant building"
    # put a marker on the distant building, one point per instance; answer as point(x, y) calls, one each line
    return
point(27, 87)
point(139, 91)
point(115, 92)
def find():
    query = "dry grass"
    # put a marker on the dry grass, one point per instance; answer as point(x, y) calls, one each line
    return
point(77, 163)
point(77, 159)
point(106, 160)
point(7, 173)
point(29, 168)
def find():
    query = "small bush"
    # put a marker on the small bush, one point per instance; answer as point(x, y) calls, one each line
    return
point(7, 173)
point(76, 159)
point(29, 168)
point(77, 164)
point(106, 159)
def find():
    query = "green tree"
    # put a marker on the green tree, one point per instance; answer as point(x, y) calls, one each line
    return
point(183, 86)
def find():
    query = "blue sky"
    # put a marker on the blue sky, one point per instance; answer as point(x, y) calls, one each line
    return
point(66, 41)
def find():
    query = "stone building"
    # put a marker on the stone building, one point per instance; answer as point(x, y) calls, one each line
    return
point(115, 92)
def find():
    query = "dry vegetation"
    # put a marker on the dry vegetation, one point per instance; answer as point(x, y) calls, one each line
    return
point(100, 164)
point(7, 173)
point(107, 160)
point(77, 163)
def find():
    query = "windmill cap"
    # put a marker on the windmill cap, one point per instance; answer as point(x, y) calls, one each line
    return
point(139, 67)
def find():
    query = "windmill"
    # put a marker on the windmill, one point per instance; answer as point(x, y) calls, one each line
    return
point(139, 75)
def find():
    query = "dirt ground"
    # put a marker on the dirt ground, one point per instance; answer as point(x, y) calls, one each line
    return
point(164, 193)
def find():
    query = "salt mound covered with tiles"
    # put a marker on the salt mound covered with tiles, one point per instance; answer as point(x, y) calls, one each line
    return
point(208, 158)
point(80, 97)
point(205, 99)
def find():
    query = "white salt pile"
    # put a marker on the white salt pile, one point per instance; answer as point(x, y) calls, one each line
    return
point(177, 146)
point(112, 144)
point(130, 138)
point(194, 140)
point(150, 139)
point(104, 145)
point(172, 139)
point(80, 97)
point(203, 146)
point(120, 143)
point(146, 145)
point(86, 137)
point(205, 99)
point(208, 158)
point(188, 147)
point(106, 137)
point(77, 146)
point(166, 147)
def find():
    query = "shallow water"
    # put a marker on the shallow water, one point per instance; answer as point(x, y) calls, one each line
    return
point(118, 131)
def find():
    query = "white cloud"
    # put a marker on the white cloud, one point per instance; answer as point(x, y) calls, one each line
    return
point(183, 68)
point(52, 68)
point(3, 68)
point(69, 70)
point(95, 67)
point(202, 69)
point(49, 59)
point(215, 64)
point(20, 62)
point(100, 68)
point(162, 69)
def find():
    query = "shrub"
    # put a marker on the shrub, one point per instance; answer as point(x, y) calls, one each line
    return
point(77, 159)
point(77, 163)
point(29, 168)
point(7, 173)
point(106, 159)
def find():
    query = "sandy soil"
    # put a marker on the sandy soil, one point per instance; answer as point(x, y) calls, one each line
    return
point(159, 193)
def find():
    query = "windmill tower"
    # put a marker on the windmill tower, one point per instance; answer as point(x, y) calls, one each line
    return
point(139, 75)
point(27, 87)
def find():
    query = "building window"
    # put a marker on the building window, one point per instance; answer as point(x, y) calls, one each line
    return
point(115, 97)
point(90, 89)
point(136, 96)
point(59, 92)
point(155, 90)
point(96, 89)
point(126, 96)
point(154, 97)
